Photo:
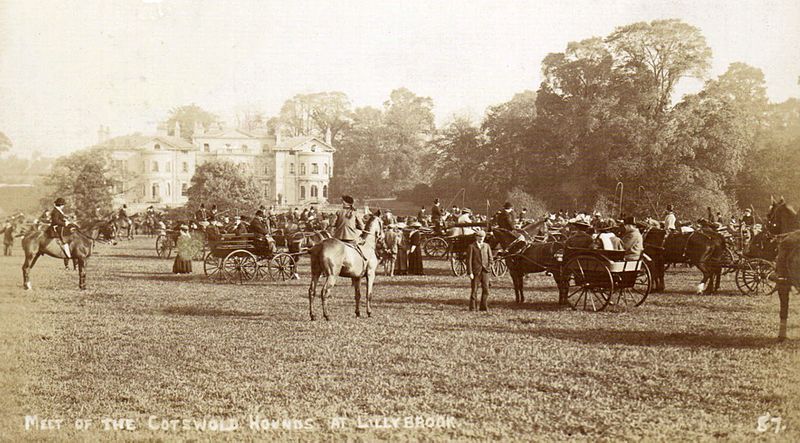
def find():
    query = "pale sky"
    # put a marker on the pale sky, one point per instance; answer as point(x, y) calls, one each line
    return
point(67, 67)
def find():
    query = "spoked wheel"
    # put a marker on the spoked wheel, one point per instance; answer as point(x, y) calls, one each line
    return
point(752, 277)
point(240, 266)
point(263, 270)
point(212, 266)
point(499, 267)
point(282, 267)
point(590, 283)
point(636, 294)
point(435, 247)
point(458, 264)
point(728, 260)
point(164, 246)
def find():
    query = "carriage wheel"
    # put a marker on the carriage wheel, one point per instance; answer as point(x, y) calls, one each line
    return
point(282, 267)
point(212, 266)
point(435, 247)
point(590, 283)
point(499, 267)
point(262, 273)
point(753, 277)
point(164, 246)
point(637, 294)
point(458, 264)
point(239, 266)
point(727, 261)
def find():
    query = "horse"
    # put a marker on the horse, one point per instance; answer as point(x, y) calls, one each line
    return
point(703, 249)
point(36, 243)
point(782, 221)
point(529, 258)
point(334, 258)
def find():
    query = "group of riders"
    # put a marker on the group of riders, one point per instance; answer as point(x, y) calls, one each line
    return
point(346, 223)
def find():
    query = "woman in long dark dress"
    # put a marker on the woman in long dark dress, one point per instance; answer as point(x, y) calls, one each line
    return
point(415, 251)
point(184, 248)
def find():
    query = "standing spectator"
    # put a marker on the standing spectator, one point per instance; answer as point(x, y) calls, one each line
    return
point(401, 264)
point(391, 240)
point(183, 259)
point(415, 266)
point(436, 215)
point(479, 263)
point(8, 238)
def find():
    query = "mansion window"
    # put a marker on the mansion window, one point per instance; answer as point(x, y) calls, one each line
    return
point(302, 192)
point(169, 189)
point(155, 166)
point(314, 168)
point(291, 168)
point(169, 167)
point(155, 190)
point(244, 148)
point(314, 191)
point(184, 189)
point(206, 147)
point(325, 191)
point(313, 148)
point(302, 169)
point(157, 147)
point(185, 166)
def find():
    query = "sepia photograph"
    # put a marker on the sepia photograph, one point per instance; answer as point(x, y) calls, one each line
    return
point(370, 220)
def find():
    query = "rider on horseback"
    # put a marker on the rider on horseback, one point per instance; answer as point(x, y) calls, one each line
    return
point(58, 221)
point(348, 224)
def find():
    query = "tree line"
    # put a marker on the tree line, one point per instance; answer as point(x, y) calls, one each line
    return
point(601, 120)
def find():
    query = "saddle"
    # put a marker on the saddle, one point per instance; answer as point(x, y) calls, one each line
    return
point(356, 247)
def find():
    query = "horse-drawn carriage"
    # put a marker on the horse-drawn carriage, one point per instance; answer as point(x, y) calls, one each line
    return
point(246, 257)
point(596, 278)
point(456, 253)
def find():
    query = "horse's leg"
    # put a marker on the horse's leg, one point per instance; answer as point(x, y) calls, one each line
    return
point(330, 281)
point(26, 269)
point(81, 272)
point(517, 280)
point(357, 289)
point(702, 288)
point(370, 282)
point(312, 291)
point(783, 295)
point(66, 264)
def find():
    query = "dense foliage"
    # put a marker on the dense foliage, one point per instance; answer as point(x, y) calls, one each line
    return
point(84, 179)
point(222, 183)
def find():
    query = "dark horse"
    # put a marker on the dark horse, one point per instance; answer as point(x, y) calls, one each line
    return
point(529, 258)
point(333, 258)
point(36, 243)
point(702, 248)
point(783, 222)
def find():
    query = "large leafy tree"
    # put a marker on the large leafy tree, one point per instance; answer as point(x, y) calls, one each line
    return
point(84, 179)
point(360, 168)
point(187, 116)
point(224, 184)
point(409, 126)
point(316, 114)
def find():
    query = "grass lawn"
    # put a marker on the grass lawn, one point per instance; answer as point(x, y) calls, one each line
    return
point(142, 342)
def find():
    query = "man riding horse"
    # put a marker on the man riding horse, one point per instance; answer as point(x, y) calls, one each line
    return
point(58, 222)
point(348, 224)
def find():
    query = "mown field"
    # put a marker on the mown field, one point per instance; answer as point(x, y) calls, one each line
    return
point(142, 342)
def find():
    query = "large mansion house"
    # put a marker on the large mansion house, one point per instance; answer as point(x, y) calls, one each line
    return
point(158, 169)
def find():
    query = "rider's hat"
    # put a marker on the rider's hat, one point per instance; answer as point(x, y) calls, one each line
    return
point(508, 205)
point(259, 213)
point(347, 199)
point(630, 220)
point(480, 233)
point(60, 202)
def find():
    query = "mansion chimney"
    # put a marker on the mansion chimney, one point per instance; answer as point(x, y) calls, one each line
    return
point(328, 137)
point(278, 130)
point(177, 131)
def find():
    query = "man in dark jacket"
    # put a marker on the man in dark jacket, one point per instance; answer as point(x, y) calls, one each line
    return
point(436, 214)
point(257, 225)
point(479, 264)
point(507, 218)
point(58, 221)
point(348, 224)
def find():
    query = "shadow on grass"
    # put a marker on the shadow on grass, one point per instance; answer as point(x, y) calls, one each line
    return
point(464, 302)
point(647, 338)
point(200, 311)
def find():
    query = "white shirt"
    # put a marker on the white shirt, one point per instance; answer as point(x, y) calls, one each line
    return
point(669, 221)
